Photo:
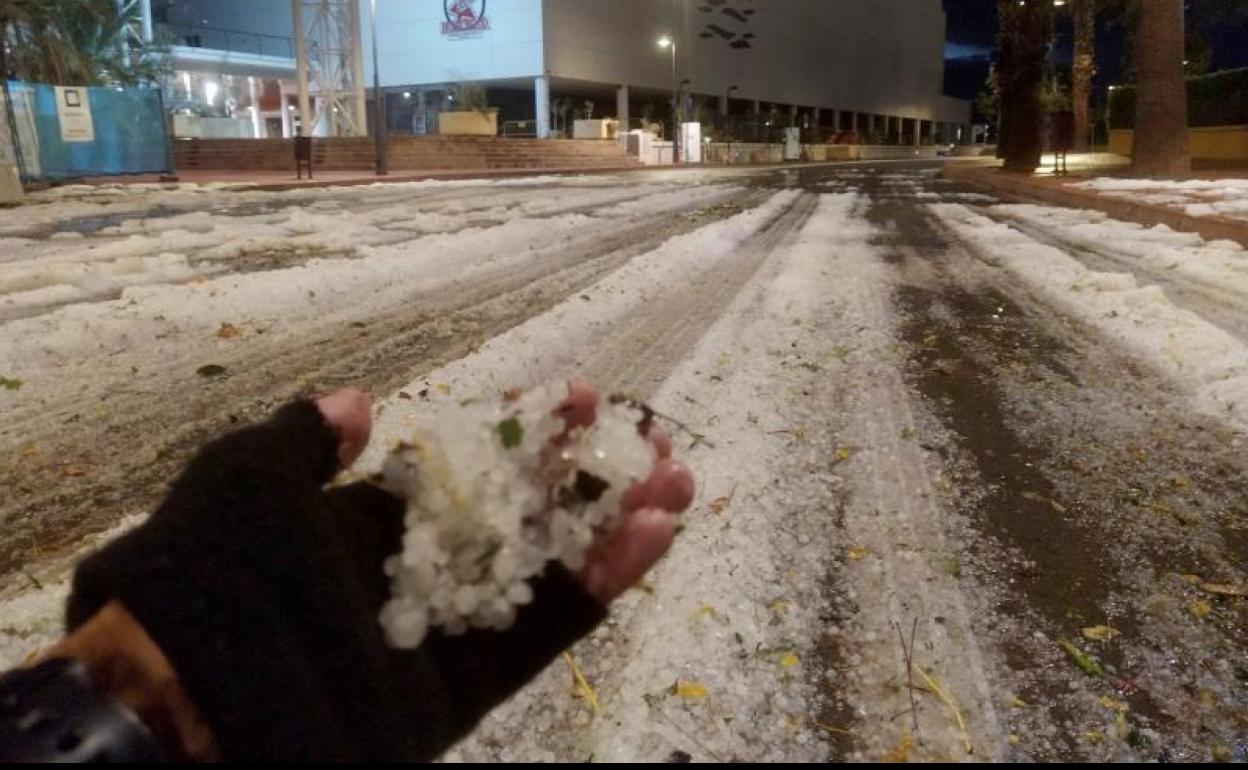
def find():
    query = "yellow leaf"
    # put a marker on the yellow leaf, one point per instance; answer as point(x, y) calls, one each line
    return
point(901, 752)
point(707, 611)
point(1014, 739)
point(1094, 736)
point(1100, 633)
point(691, 690)
point(720, 503)
point(1190, 579)
point(580, 686)
point(1200, 608)
point(1224, 589)
point(1113, 704)
point(780, 606)
point(788, 661)
point(842, 454)
point(857, 552)
point(1017, 702)
point(443, 388)
point(831, 728)
point(227, 331)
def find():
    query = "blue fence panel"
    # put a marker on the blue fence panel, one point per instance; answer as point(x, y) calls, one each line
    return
point(130, 133)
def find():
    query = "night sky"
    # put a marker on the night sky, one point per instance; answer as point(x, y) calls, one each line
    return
point(972, 33)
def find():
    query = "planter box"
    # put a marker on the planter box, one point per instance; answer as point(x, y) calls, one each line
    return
point(595, 129)
point(1205, 143)
point(468, 123)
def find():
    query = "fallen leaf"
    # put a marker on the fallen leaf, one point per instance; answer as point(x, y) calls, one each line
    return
point(511, 432)
point(707, 611)
point(901, 752)
point(11, 383)
point(228, 331)
point(1083, 660)
point(842, 454)
point(1113, 704)
point(443, 388)
point(831, 728)
point(1224, 589)
point(690, 690)
point(720, 503)
point(580, 686)
point(512, 394)
point(1017, 702)
point(210, 370)
point(73, 471)
point(1100, 633)
point(788, 660)
point(1200, 608)
point(1190, 579)
point(856, 552)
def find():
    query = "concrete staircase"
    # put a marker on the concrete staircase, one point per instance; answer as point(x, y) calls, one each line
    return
point(406, 153)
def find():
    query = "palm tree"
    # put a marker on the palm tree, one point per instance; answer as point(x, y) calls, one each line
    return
point(77, 42)
point(1160, 144)
point(1024, 30)
point(1084, 69)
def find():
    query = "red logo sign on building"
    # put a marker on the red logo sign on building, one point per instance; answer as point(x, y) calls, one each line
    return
point(464, 18)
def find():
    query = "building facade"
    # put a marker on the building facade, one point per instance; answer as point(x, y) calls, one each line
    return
point(872, 67)
point(871, 70)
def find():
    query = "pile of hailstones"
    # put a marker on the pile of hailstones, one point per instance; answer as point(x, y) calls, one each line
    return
point(490, 501)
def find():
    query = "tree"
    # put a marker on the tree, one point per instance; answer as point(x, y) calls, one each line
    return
point(78, 42)
point(1024, 29)
point(1083, 69)
point(1160, 142)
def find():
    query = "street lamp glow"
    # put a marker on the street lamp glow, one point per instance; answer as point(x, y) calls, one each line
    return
point(664, 42)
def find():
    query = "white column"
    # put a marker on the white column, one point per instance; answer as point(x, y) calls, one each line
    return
point(814, 118)
point(918, 132)
point(253, 93)
point(306, 119)
point(853, 122)
point(723, 105)
point(621, 107)
point(145, 8)
point(288, 123)
point(758, 107)
point(836, 121)
point(359, 102)
point(541, 105)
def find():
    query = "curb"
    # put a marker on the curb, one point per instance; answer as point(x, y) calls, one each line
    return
point(1148, 214)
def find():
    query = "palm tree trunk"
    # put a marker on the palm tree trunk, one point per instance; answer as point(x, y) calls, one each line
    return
point(1024, 34)
point(1160, 146)
point(1084, 69)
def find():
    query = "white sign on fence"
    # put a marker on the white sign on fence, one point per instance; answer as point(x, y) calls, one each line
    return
point(73, 107)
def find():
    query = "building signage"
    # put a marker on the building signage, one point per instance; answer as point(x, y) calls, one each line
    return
point(73, 109)
point(464, 18)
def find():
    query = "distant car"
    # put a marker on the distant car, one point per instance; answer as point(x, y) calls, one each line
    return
point(944, 150)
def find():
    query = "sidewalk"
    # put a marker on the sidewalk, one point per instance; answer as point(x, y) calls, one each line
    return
point(1213, 202)
point(286, 180)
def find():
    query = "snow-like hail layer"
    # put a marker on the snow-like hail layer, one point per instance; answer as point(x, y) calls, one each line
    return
point(545, 347)
point(1196, 197)
point(1210, 364)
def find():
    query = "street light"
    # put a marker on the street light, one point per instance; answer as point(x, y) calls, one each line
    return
point(665, 42)
point(379, 124)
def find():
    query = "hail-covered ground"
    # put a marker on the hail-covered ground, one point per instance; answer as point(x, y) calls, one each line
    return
point(971, 476)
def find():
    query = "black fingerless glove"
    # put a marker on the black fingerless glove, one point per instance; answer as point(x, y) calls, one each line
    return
point(263, 589)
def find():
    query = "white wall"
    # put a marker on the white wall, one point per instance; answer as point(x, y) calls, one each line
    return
point(876, 56)
point(414, 50)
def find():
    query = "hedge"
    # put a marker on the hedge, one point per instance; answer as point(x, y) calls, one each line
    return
point(1217, 99)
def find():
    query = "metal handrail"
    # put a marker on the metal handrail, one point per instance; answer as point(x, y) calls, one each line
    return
point(233, 40)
